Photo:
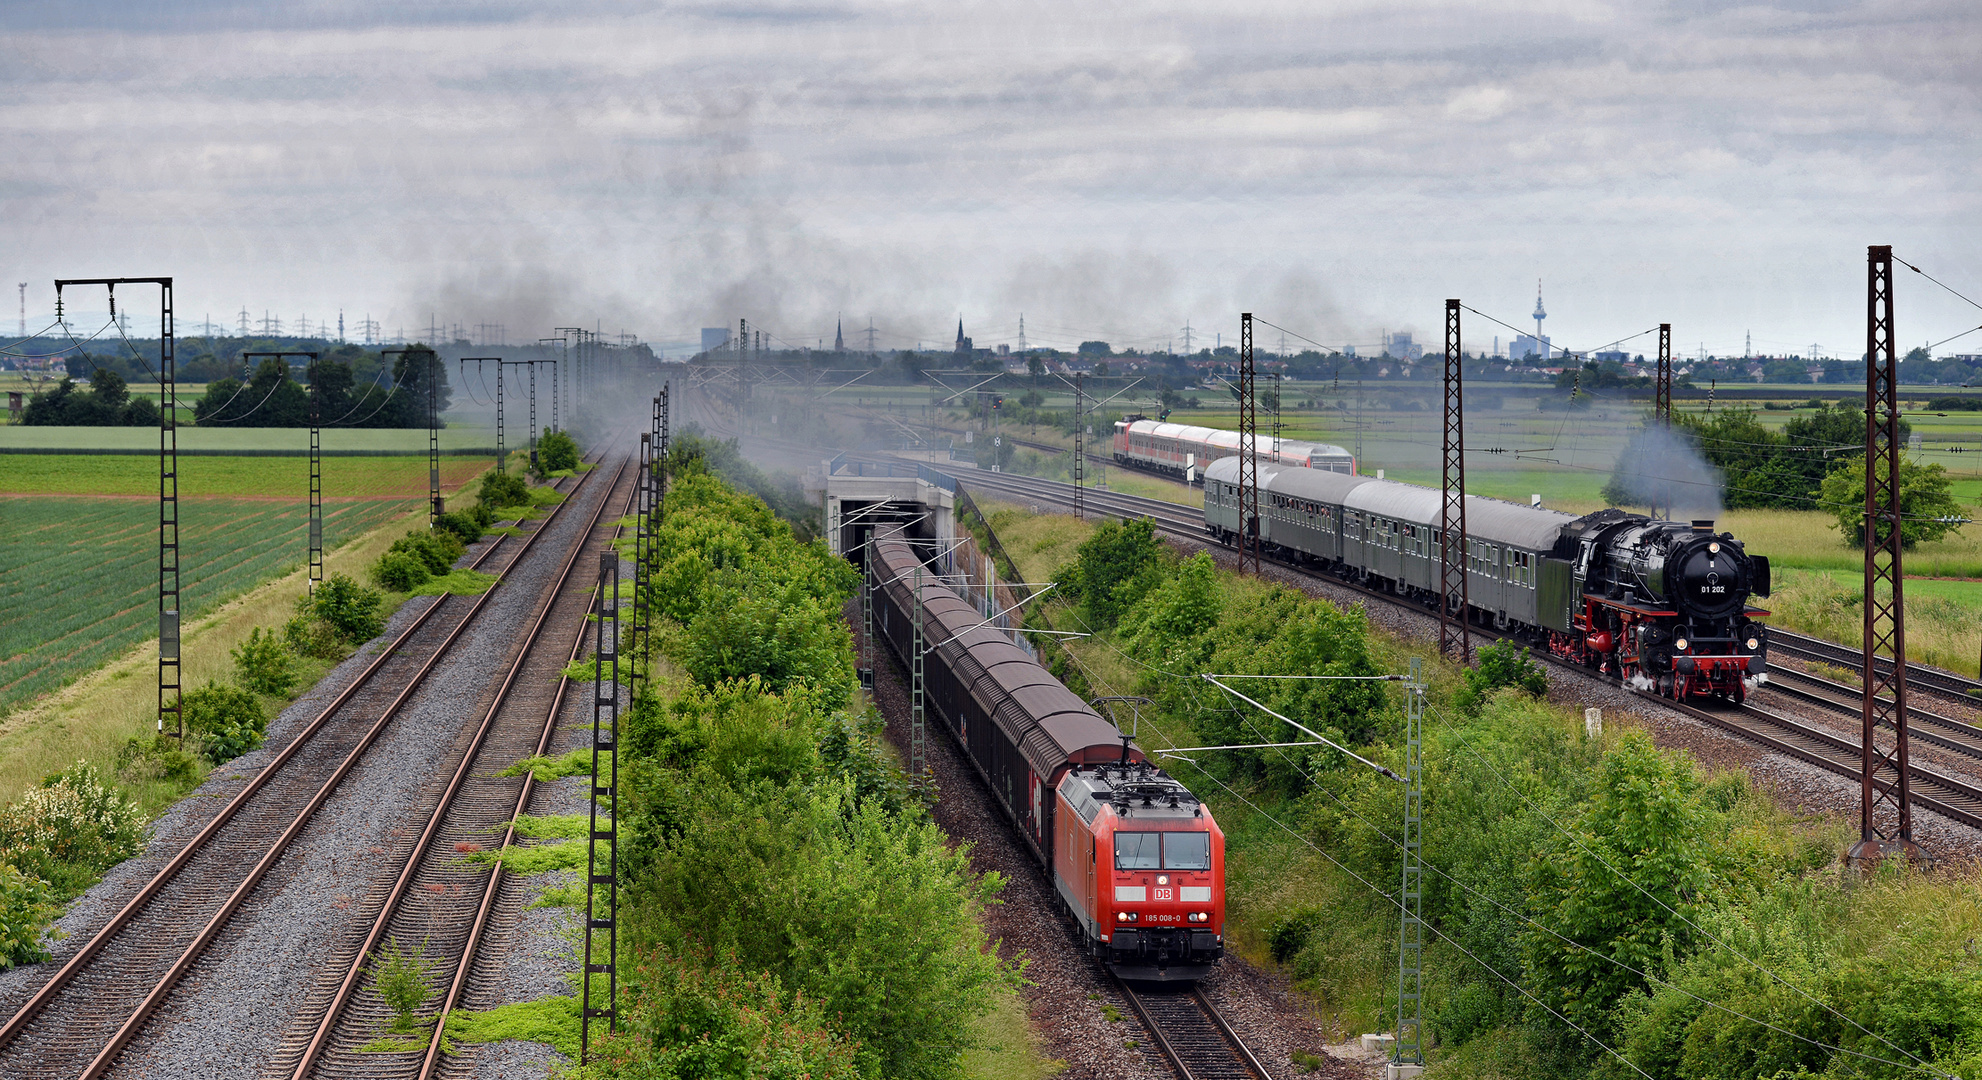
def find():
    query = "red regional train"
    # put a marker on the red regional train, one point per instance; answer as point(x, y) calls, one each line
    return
point(1136, 859)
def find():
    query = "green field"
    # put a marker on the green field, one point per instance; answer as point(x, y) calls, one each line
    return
point(460, 435)
point(201, 477)
point(80, 578)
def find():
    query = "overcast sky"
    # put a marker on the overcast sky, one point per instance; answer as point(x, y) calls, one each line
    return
point(1111, 171)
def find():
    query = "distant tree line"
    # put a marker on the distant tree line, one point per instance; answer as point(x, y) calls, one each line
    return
point(357, 389)
point(107, 403)
point(272, 397)
point(1816, 462)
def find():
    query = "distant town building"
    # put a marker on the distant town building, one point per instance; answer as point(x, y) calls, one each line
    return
point(1403, 348)
point(1526, 345)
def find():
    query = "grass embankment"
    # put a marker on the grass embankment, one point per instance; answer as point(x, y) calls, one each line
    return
point(1555, 858)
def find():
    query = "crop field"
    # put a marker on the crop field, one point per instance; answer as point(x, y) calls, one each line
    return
point(238, 477)
point(459, 435)
point(78, 584)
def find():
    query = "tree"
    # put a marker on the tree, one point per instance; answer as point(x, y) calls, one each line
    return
point(1621, 891)
point(1926, 501)
point(1095, 348)
point(1035, 366)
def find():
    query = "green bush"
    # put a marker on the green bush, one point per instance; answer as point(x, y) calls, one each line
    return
point(350, 609)
point(1289, 934)
point(400, 977)
point(25, 910)
point(400, 571)
point(228, 720)
point(503, 489)
point(1112, 570)
point(1499, 665)
point(687, 1021)
point(556, 451)
point(436, 548)
point(466, 525)
point(69, 830)
point(872, 916)
point(157, 758)
point(309, 635)
point(263, 664)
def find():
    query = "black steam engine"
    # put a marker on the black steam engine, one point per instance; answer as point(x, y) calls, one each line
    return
point(1664, 605)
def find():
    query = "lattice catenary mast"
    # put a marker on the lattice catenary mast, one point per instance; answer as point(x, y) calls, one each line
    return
point(1454, 613)
point(1884, 780)
point(605, 795)
point(1248, 450)
point(169, 689)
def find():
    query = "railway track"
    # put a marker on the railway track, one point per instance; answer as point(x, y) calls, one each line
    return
point(1951, 797)
point(103, 997)
point(1191, 1034)
point(441, 898)
point(1944, 684)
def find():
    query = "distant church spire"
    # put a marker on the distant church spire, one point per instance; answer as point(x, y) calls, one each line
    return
point(963, 343)
point(839, 340)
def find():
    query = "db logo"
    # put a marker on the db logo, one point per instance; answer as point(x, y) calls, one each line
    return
point(1165, 894)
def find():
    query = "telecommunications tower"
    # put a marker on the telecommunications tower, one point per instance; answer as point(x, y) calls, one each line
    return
point(1541, 343)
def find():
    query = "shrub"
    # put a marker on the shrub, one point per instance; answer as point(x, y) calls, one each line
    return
point(228, 720)
point(350, 608)
point(436, 548)
point(400, 977)
point(464, 524)
point(400, 571)
point(708, 1020)
point(1289, 933)
point(556, 451)
point(870, 914)
point(24, 913)
point(70, 829)
point(309, 635)
point(1499, 665)
point(157, 758)
point(1113, 569)
point(262, 663)
point(503, 489)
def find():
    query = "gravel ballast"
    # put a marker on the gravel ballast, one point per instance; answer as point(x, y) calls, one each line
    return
point(229, 1016)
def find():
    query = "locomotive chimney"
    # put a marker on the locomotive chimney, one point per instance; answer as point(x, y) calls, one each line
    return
point(1703, 525)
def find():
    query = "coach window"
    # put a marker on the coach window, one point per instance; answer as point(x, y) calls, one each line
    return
point(1521, 568)
point(1137, 851)
point(1186, 850)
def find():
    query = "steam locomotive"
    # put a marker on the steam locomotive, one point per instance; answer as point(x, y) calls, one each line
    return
point(1137, 860)
point(1662, 605)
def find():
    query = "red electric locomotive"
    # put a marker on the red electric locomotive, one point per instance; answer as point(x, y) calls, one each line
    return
point(1134, 856)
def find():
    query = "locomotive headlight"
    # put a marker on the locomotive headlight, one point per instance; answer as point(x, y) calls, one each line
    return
point(1754, 643)
point(1680, 644)
point(1714, 548)
point(1163, 879)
